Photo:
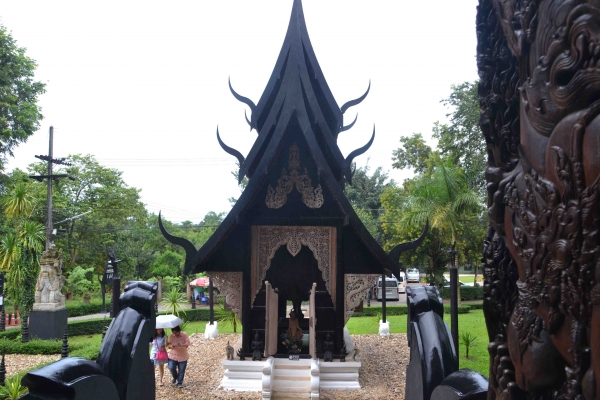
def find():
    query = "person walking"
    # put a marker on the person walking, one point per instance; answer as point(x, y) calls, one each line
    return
point(159, 352)
point(178, 344)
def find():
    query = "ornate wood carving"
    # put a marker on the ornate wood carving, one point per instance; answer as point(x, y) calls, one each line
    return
point(230, 286)
point(539, 90)
point(355, 288)
point(267, 239)
point(312, 198)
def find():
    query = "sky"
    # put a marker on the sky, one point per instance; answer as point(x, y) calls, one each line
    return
point(142, 85)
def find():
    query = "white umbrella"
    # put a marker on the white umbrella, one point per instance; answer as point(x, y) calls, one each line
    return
point(168, 321)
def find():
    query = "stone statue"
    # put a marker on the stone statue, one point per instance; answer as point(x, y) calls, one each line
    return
point(50, 281)
point(294, 332)
point(328, 348)
point(229, 351)
point(538, 93)
point(257, 348)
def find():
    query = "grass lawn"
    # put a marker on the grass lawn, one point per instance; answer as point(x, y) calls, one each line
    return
point(472, 322)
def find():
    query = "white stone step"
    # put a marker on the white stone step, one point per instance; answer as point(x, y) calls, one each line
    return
point(291, 386)
point(291, 395)
point(291, 373)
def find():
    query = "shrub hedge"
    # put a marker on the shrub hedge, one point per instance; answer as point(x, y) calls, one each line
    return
point(31, 347)
point(93, 326)
point(403, 310)
point(79, 308)
point(10, 334)
point(466, 293)
point(88, 327)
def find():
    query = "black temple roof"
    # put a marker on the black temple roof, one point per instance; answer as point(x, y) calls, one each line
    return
point(297, 83)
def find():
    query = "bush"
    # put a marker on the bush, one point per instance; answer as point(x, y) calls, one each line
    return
point(79, 308)
point(195, 314)
point(32, 347)
point(466, 293)
point(374, 311)
point(461, 309)
point(10, 334)
point(88, 327)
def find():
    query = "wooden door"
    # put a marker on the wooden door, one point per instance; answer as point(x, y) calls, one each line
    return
point(271, 320)
point(312, 322)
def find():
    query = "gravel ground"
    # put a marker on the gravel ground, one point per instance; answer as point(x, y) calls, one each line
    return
point(16, 363)
point(382, 375)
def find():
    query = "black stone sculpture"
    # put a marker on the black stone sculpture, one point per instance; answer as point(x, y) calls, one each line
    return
point(432, 353)
point(122, 371)
point(343, 354)
point(257, 348)
point(241, 354)
point(328, 348)
point(433, 367)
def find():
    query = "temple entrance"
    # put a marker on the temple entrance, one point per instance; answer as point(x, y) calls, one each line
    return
point(288, 285)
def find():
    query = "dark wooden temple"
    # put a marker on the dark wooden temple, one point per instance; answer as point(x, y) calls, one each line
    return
point(293, 226)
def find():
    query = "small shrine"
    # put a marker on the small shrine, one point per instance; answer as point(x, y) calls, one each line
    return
point(292, 257)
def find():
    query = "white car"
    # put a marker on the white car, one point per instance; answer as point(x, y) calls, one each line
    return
point(412, 275)
point(402, 283)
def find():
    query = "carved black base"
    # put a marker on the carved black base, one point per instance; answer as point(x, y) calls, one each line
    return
point(48, 324)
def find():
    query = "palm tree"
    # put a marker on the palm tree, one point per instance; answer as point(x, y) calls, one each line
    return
point(174, 301)
point(443, 198)
point(20, 249)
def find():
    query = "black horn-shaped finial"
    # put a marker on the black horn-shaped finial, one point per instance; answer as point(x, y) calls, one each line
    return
point(230, 150)
point(404, 247)
point(345, 128)
point(354, 154)
point(244, 100)
point(247, 120)
point(190, 249)
point(354, 102)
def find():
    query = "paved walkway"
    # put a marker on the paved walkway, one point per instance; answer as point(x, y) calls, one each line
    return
point(185, 306)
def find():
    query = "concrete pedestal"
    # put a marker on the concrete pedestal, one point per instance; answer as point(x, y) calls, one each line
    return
point(384, 328)
point(48, 324)
point(211, 331)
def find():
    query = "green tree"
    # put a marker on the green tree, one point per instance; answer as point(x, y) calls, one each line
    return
point(413, 154)
point(461, 139)
point(443, 198)
point(21, 246)
point(115, 207)
point(365, 196)
point(19, 112)
point(168, 263)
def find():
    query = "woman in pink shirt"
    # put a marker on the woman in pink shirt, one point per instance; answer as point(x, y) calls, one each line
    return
point(178, 354)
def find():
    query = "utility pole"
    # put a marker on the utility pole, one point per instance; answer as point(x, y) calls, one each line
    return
point(49, 178)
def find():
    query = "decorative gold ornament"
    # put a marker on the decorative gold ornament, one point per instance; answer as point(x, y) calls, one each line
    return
point(312, 198)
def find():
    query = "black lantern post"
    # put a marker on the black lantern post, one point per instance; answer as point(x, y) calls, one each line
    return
point(383, 299)
point(2, 314)
point(211, 302)
point(454, 296)
point(111, 276)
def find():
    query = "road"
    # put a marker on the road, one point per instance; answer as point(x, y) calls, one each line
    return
point(401, 302)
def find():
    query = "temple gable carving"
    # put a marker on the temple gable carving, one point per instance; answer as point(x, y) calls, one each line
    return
point(276, 198)
point(319, 239)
